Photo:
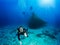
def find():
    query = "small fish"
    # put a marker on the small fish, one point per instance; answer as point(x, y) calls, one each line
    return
point(31, 8)
point(30, 32)
point(14, 40)
point(23, 13)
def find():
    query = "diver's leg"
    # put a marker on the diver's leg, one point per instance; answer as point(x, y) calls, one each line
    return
point(19, 37)
point(20, 42)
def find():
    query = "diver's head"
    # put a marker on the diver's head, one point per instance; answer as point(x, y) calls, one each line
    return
point(21, 29)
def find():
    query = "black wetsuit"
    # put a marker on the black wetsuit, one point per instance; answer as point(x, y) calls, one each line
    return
point(21, 33)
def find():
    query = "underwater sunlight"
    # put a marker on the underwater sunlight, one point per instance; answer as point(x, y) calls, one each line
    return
point(47, 3)
point(29, 22)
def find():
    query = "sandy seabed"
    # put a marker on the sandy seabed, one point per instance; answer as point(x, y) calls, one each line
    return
point(8, 36)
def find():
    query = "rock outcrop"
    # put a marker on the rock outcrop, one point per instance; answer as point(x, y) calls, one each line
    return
point(35, 22)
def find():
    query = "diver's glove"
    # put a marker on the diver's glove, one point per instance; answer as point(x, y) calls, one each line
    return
point(25, 34)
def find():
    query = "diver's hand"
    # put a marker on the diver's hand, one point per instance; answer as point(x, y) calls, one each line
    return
point(25, 35)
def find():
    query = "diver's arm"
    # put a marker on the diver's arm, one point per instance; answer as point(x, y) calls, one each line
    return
point(18, 30)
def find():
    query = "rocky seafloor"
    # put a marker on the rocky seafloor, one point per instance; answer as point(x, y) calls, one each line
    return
point(43, 36)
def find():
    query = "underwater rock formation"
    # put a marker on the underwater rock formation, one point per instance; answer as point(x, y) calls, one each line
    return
point(56, 31)
point(35, 22)
point(50, 35)
point(47, 34)
point(39, 35)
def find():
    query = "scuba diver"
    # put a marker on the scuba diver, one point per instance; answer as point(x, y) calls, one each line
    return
point(22, 31)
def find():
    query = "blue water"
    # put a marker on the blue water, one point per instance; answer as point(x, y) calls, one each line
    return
point(14, 13)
